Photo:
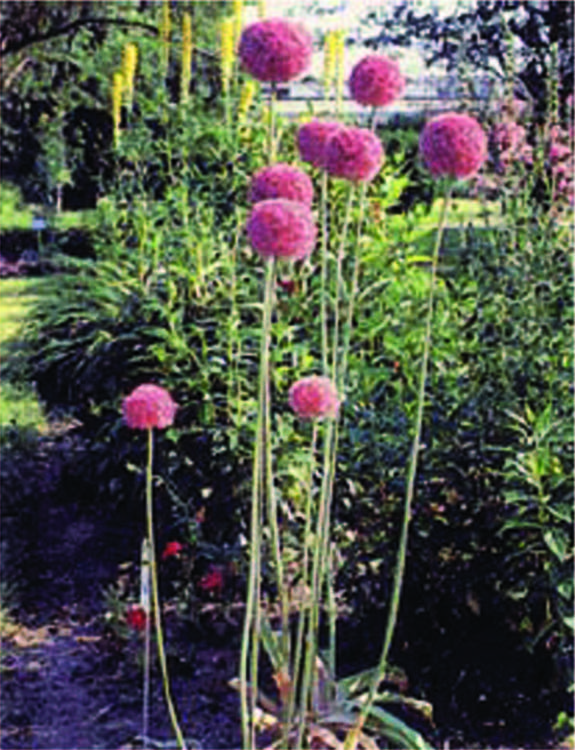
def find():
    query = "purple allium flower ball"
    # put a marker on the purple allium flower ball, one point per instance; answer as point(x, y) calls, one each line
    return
point(281, 181)
point(376, 81)
point(314, 398)
point(275, 49)
point(149, 406)
point(312, 138)
point(281, 228)
point(453, 145)
point(354, 154)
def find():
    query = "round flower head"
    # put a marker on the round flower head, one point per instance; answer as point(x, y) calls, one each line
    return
point(281, 181)
point(314, 398)
point(453, 145)
point(376, 81)
point(355, 154)
point(281, 228)
point(149, 406)
point(275, 50)
point(312, 138)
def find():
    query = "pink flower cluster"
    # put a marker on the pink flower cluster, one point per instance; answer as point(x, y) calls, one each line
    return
point(354, 154)
point(275, 50)
point(453, 145)
point(149, 406)
point(281, 181)
point(314, 397)
point(561, 160)
point(311, 140)
point(376, 80)
point(508, 144)
point(281, 228)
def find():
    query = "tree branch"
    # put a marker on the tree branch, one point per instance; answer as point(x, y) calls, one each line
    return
point(8, 47)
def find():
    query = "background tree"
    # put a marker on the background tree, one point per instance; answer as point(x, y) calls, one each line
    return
point(480, 34)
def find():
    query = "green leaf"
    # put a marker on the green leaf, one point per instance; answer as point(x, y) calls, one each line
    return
point(569, 621)
point(394, 729)
point(272, 645)
point(557, 543)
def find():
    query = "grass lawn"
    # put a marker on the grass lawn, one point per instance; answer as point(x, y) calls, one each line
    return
point(18, 402)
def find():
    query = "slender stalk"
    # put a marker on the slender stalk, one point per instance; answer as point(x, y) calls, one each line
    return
point(145, 603)
point(252, 599)
point(324, 258)
point(304, 582)
point(353, 291)
point(340, 284)
point(272, 124)
point(272, 506)
point(156, 597)
point(332, 611)
point(352, 737)
point(313, 618)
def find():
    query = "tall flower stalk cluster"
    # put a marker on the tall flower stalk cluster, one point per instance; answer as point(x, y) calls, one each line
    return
point(288, 223)
point(281, 228)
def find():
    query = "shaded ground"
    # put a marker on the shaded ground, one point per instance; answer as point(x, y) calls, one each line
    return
point(65, 687)
point(68, 681)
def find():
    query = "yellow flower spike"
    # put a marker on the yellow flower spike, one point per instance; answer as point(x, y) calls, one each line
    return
point(238, 6)
point(227, 52)
point(262, 11)
point(129, 66)
point(339, 69)
point(186, 77)
point(246, 100)
point(165, 36)
point(117, 93)
point(329, 60)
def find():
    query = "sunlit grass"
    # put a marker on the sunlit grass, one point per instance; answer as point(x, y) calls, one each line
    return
point(19, 404)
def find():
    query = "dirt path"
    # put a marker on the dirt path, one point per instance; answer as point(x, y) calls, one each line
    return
point(69, 687)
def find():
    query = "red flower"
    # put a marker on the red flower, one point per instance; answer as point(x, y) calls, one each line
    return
point(136, 617)
point(281, 228)
point(354, 154)
point(275, 49)
point(149, 406)
point(172, 549)
point(213, 581)
point(453, 145)
point(314, 398)
point(288, 285)
point(312, 138)
point(376, 81)
point(281, 181)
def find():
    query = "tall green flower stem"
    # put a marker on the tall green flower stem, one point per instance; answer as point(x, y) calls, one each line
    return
point(352, 737)
point(262, 484)
point(324, 259)
point(145, 602)
point(272, 145)
point(298, 653)
point(339, 377)
point(156, 596)
point(318, 567)
point(340, 283)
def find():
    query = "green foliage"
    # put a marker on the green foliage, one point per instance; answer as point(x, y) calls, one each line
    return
point(13, 215)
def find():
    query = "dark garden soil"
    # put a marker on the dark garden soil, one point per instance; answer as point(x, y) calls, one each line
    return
point(68, 680)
